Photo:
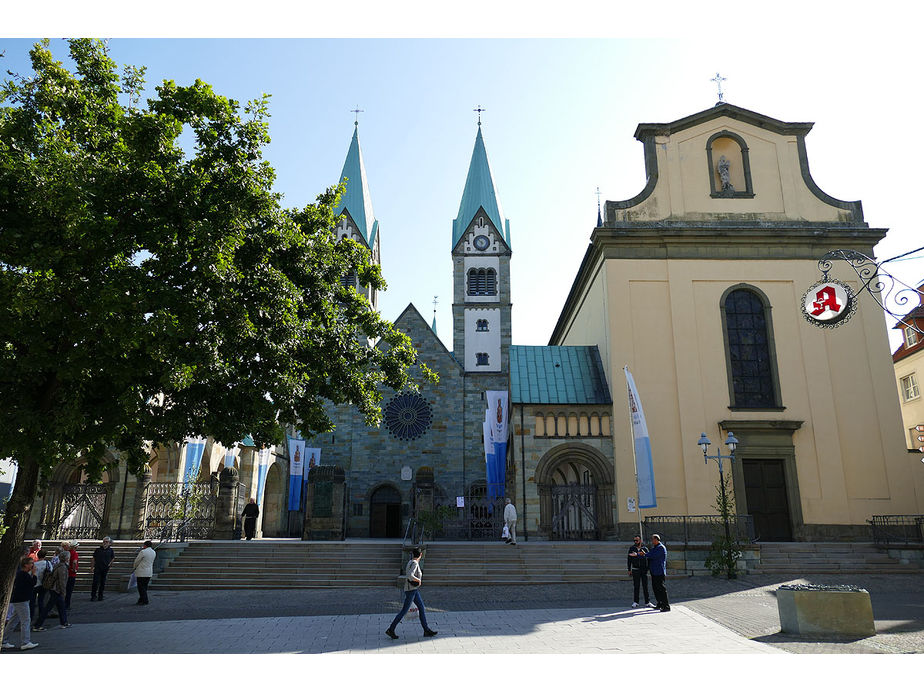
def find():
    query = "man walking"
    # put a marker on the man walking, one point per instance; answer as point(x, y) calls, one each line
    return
point(657, 564)
point(102, 560)
point(510, 520)
point(144, 571)
point(637, 564)
point(23, 586)
point(412, 579)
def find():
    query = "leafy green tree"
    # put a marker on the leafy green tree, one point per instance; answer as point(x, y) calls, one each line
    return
point(148, 293)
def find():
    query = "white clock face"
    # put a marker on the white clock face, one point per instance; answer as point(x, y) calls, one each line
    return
point(482, 242)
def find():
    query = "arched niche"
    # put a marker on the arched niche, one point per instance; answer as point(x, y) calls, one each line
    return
point(729, 165)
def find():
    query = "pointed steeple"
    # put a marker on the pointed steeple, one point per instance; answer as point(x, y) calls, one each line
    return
point(480, 192)
point(357, 200)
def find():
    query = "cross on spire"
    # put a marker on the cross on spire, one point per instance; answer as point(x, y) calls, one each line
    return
point(356, 111)
point(479, 111)
point(718, 79)
point(599, 215)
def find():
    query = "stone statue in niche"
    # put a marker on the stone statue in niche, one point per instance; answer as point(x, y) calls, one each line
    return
point(724, 175)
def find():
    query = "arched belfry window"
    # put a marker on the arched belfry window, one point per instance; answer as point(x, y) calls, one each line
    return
point(750, 354)
point(729, 165)
point(482, 282)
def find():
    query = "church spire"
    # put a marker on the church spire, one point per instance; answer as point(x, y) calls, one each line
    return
point(480, 192)
point(356, 200)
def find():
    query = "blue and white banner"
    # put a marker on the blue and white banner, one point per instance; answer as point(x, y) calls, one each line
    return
point(193, 448)
point(263, 463)
point(296, 472)
point(644, 467)
point(489, 459)
point(498, 416)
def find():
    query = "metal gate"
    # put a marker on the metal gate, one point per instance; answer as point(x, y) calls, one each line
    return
point(574, 512)
point(81, 510)
point(174, 511)
point(480, 519)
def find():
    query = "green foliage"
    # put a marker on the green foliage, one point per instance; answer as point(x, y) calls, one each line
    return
point(148, 293)
point(431, 521)
point(724, 553)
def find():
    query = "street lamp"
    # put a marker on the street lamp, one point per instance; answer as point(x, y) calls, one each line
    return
point(731, 443)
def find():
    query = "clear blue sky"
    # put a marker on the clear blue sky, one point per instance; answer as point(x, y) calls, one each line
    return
point(559, 120)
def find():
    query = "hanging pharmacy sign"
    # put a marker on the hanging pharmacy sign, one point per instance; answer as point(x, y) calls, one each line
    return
point(830, 303)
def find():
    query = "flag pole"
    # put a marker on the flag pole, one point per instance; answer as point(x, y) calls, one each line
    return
point(638, 508)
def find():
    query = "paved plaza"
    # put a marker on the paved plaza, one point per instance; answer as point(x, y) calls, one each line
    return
point(709, 616)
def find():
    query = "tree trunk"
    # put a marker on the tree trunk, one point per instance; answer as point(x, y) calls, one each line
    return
point(17, 514)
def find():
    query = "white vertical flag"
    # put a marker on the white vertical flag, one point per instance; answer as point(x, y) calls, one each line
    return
point(644, 468)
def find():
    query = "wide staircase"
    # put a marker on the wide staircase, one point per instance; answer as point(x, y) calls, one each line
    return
point(828, 557)
point(526, 563)
point(267, 564)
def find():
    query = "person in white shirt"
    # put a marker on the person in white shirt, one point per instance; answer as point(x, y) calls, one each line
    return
point(510, 520)
point(144, 570)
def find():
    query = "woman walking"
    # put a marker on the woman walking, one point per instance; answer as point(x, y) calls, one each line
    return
point(412, 579)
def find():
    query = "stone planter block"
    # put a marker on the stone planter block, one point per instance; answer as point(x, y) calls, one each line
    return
point(825, 610)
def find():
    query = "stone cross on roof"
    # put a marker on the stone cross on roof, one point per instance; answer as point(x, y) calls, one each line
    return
point(718, 79)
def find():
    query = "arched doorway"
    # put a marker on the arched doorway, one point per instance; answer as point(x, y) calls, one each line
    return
point(385, 513)
point(75, 508)
point(575, 493)
point(274, 500)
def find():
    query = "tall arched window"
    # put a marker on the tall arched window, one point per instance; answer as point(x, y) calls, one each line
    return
point(749, 349)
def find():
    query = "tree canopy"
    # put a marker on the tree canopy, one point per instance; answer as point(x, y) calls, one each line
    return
point(148, 293)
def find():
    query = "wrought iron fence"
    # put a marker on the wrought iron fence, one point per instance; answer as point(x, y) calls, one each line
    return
point(79, 512)
point(479, 519)
point(897, 529)
point(704, 528)
point(174, 511)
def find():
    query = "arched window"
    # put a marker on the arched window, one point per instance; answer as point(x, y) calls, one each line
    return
point(481, 326)
point(749, 349)
point(481, 359)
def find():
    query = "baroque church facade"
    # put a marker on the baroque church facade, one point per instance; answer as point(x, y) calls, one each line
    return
point(696, 284)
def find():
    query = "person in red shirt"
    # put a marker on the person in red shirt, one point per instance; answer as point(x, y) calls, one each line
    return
point(34, 549)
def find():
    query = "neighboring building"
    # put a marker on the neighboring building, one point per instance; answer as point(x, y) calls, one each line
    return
point(908, 361)
point(696, 283)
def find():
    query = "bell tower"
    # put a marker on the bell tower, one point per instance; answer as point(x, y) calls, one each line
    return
point(481, 274)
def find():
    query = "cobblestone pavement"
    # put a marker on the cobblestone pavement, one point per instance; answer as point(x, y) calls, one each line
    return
point(746, 607)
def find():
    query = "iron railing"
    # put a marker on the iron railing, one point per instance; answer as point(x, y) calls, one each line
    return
point(176, 512)
point(479, 519)
point(79, 511)
point(897, 529)
point(698, 528)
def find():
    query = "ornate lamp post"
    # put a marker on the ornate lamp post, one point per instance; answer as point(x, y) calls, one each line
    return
point(731, 443)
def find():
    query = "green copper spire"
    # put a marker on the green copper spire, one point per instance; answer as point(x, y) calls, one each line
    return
point(357, 200)
point(480, 193)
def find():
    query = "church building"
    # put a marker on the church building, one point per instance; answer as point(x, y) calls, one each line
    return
point(697, 284)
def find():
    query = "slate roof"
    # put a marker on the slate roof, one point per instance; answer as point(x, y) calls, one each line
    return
point(357, 200)
point(557, 375)
point(480, 192)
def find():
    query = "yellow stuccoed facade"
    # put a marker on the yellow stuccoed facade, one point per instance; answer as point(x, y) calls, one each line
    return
point(650, 293)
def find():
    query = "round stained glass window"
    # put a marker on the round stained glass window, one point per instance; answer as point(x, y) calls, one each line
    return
point(408, 416)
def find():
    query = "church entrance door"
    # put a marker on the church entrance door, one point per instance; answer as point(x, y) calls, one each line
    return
point(385, 513)
point(765, 491)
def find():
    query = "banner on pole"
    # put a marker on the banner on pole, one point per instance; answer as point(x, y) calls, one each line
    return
point(644, 467)
point(296, 472)
point(490, 466)
point(263, 463)
point(193, 448)
point(231, 454)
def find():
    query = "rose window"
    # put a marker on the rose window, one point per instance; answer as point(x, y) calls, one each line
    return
point(408, 416)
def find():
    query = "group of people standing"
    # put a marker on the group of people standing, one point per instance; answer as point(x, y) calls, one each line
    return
point(42, 584)
point(641, 561)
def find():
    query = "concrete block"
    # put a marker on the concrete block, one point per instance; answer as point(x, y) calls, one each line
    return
point(825, 610)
